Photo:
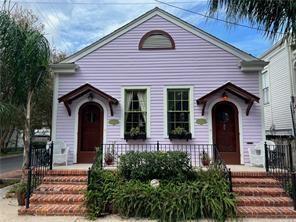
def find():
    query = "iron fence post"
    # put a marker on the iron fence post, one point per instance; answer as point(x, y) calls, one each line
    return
point(290, 158)
point(157, 146)
point(266, 157)
point(28, 193)
point(230, 180)
point(88, 175)
point(51, 155)
point(293, 177)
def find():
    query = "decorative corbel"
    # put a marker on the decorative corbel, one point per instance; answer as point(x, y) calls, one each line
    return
point(250, 104)
point(67, 107)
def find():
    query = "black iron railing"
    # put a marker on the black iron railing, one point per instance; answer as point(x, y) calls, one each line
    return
point(108, 155)
point(220, 163)
point(279, 164)
point(112, 152)
point(97, 163)
point(40, 161)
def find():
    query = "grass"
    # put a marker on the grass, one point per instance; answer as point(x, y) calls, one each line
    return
point(8, 153)
point(5, 183)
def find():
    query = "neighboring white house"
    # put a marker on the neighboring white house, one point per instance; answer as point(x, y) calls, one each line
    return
point(279, 89)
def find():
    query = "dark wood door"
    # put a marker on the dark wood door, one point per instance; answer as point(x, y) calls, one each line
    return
point(90, 134)
point(226, 131)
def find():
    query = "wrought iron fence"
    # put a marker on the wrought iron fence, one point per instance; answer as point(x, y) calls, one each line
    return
point(279, 164)
point(109, 155)
point(40, 161)
point(112, 152)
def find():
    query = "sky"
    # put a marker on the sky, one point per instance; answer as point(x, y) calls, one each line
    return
point(71, 25)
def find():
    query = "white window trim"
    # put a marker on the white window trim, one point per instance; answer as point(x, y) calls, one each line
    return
point(123, 88)
point(165, 108)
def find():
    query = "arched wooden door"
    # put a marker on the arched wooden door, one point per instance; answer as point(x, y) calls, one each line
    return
point(90, 133)
point(226, 131)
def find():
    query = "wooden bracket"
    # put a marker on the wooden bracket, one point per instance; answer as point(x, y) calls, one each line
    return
point(250, 104)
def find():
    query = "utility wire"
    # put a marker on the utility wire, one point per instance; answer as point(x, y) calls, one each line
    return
point(218, 19)
point(102, 3)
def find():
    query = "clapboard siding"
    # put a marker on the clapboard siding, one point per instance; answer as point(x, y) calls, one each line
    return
point(278, 111)
point(194, 62)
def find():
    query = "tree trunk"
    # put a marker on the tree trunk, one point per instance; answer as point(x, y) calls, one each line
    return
point(27, 135)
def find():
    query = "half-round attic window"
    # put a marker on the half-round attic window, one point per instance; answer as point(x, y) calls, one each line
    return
point(156, 39)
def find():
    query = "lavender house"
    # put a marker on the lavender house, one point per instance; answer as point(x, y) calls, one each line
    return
point(158, 78)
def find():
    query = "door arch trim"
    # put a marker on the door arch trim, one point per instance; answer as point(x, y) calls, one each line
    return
point(76, 115)
point(240, 124)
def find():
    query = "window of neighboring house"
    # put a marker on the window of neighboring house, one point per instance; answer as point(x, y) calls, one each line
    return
point(135, 110)
point(265, 87)
point(178, 109)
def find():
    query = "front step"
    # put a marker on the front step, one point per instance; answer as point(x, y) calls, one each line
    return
point(60, 194)
point(260, 191)
point(264, 201)
point(266, 212)
point(54, 210)
point(261, 196)
point(255, 182)
point(65, 179)
point(57, 198)
point(60, 189)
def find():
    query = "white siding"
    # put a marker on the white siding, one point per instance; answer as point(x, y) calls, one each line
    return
point(278, 111)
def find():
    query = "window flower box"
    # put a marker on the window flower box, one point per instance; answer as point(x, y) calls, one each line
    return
point(129, 136)
point(184, 136)
point(180, 133)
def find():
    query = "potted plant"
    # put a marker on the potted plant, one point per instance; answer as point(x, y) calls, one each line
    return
point(205, 159)
point(109, 156)
point(134, 134)
point(180, 133)
point(20, 191)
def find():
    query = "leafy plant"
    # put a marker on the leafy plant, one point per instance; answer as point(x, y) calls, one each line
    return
point(135, 131)
point(146, 166)
point(205, 197)
point(179, 131)
point(99, 195)
point(21, 187)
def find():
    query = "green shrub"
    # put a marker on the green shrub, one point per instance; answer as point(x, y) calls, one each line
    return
point(206, 197)
point(99, 195)
point(146, 166)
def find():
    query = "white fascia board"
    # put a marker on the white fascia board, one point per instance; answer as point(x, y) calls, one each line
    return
point(64, 68)
point(252, 66)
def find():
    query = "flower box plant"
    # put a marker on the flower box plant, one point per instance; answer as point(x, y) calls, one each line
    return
point(180, 133)
point(134, 134)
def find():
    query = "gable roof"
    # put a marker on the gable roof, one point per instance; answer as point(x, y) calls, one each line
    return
point(233, 89)
point(82, 90)
point(171, 18)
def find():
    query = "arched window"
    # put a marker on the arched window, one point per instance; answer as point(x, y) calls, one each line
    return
point(156, 39)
